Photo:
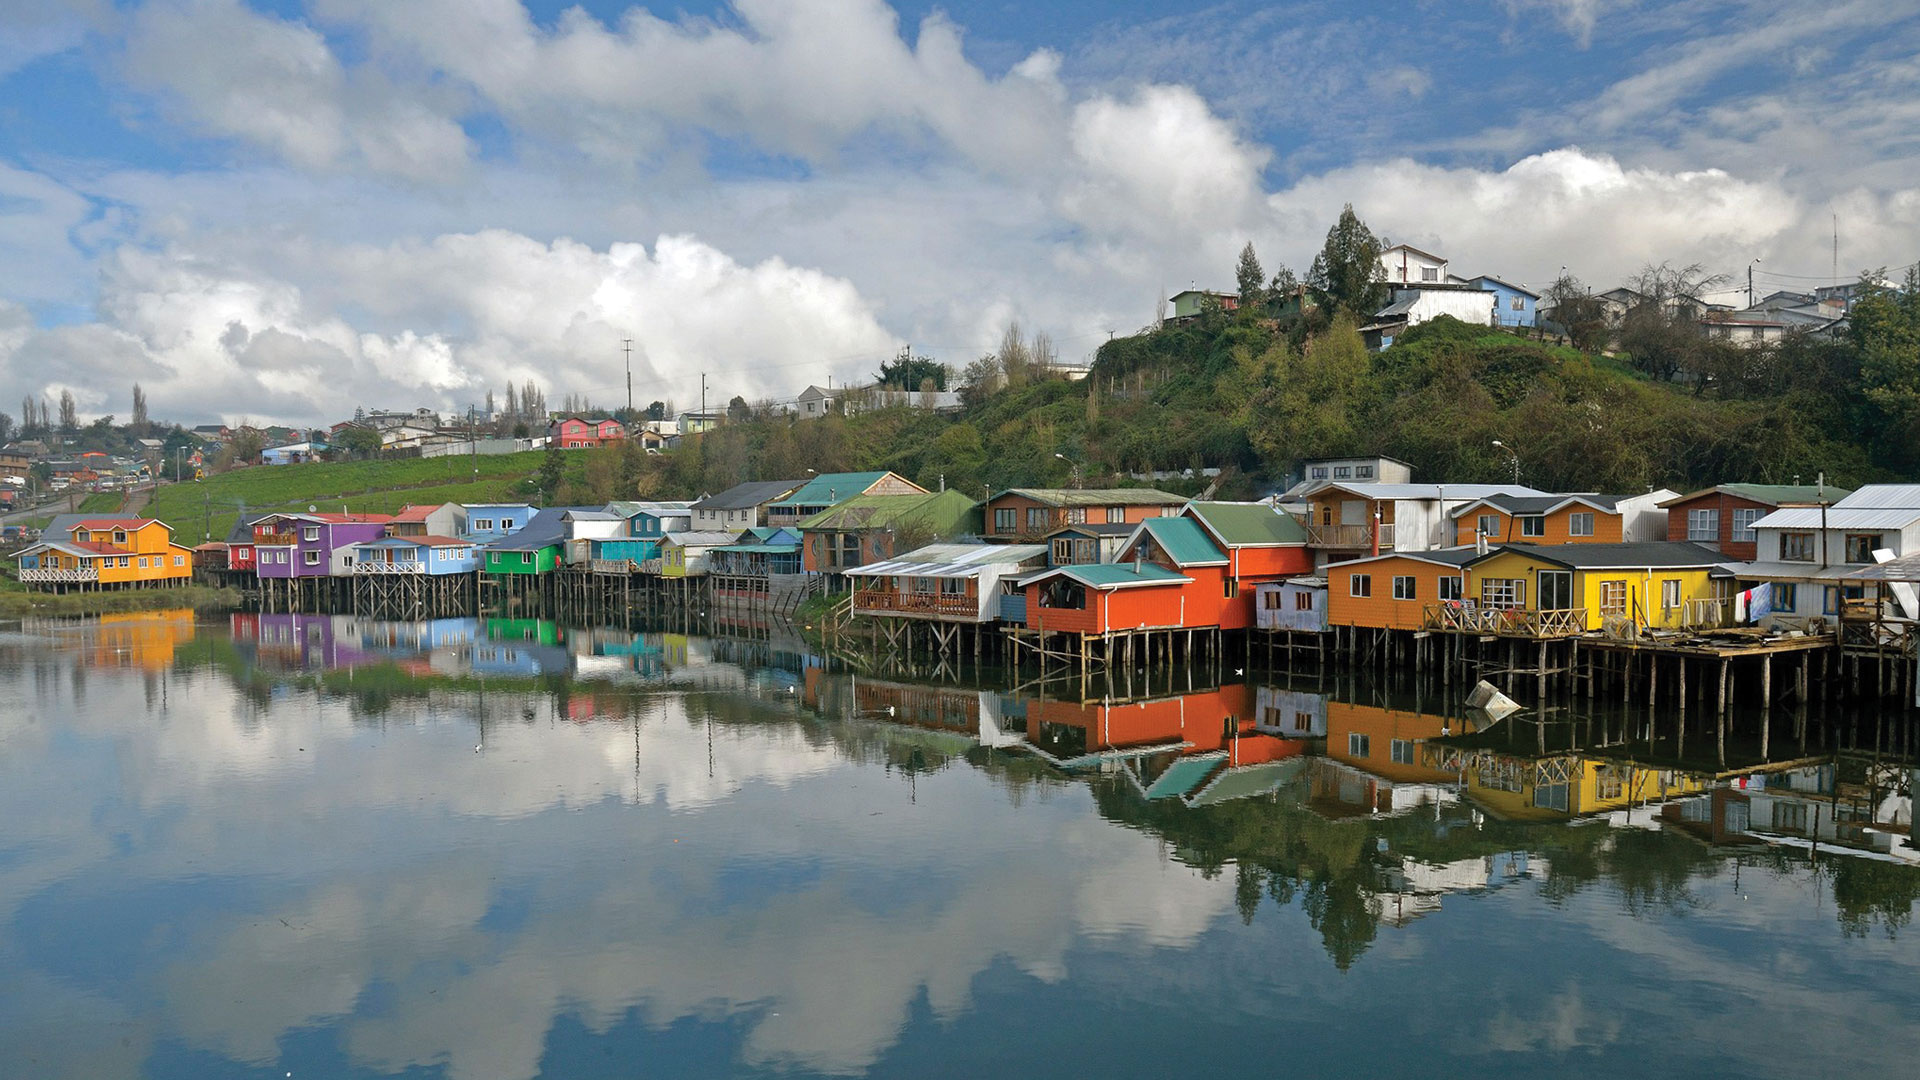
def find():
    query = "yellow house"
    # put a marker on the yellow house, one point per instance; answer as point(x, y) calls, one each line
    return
point(116, 552)
point(1516, 788)
point(1572, 588)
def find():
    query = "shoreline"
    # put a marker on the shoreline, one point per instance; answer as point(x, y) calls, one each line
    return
point(19, 603)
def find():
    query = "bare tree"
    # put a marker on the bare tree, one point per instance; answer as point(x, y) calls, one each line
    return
point(1661, 330)
point(69, 413)
point(1579, 313)
point(139, 421)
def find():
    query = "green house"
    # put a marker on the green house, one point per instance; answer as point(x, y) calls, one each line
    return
point(535, 549)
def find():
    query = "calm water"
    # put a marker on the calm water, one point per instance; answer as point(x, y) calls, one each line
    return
point(325, 848)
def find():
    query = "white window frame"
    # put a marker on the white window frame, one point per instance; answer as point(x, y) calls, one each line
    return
point(1360, 585)
point(1703, 526)
point(1670, 595)
point(1359, 744)
point(312, 558)
point(1503, 593)
point(311, 533)
point(1406, 587)
point(1743, 519)
point(1580, 523)
point(1488, 525)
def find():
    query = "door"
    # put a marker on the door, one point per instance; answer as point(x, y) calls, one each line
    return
point(1556, 590)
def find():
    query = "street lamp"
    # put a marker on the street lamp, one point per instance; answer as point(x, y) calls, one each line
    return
point(1750, 266)
point(1072, 464)
point(1516, 458)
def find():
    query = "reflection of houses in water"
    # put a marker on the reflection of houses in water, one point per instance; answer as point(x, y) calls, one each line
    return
point(145, 640)
point(521, 647)
point(1555, 787)
point(1803, 807)
point(1415, 888)
point(1374, 765)
point(1290, 714)
point(302, 642)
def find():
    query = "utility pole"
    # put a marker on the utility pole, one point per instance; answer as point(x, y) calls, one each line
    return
point(703, 400)
point(473, 445)
point(627, 345)
point(1750, 283)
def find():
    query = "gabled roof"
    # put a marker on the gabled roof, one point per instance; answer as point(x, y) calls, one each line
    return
point(1096, 496)
point(1651, 554)
point(412, 514)
point(1382, 490)
point(1100, 528)
point(1839, 517)
point(749, 495)
point(546, 528)
point(1416, 251)
point(85, 549)
point(952, 560)
point(829, 488)
point(1509, 286)
point(99, 524)
point(242, 531)
point(1254, 524)
point(1883, 496)
point(1528, 505)
point(1453, 556)
point(1184, 541)
point(940, 511)
point(1768, 494)
point(1111, 575)
point(706, 538)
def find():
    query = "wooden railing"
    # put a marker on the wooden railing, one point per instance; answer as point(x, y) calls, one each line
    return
point(1516, 622)
point(275, 539)
point(414, 567)
point(888, 600)
point(41, 575)
point(1710, 614)
point(1349, 537)
point(612, 566)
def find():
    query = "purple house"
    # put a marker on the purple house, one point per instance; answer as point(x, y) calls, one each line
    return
point(312, 545)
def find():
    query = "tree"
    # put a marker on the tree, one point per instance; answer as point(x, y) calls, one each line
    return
point(1579, 313)
point(6, 428)
point(28, 410)
point(552, 469)
point(139, 423)
point(513, 403)
point(359, 440)
point(490, 412)
point(1252, 279)
point(907, 371)
point(737, 409)
point(1347, 274)
point(657, 410)
point(69, 413)
point(1661, 331)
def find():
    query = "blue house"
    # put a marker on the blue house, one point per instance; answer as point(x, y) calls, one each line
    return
point(492, 521)
point(647, 526)
point(1512, 305)
point(435, 556)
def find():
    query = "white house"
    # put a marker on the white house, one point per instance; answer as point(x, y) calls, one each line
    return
point(1345, 518)
point(1413, 305)
point(1408, 265)
point(1804, 551)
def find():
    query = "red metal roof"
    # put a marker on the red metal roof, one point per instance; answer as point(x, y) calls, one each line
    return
point(116, 523)
point(351, 519)
point(414, 513)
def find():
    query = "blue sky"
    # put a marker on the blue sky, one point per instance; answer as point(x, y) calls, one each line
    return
point(287, 209)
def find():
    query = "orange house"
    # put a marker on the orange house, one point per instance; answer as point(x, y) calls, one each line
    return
point(1562, 519)
point(1218, 721)
point(1027, 514)
point(1392, 591)
point(108, 551)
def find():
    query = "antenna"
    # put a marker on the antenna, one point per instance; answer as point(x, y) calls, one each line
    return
point(626, 346)
point(1836, 247)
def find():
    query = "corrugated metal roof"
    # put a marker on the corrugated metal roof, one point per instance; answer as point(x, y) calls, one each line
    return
point(1453, 556)
point(1184, 541)
point(1255, 523)
point(1098, 496)
point(1884, 497)
point(1840, 517)
point(708, 538)
point(748, 495)
point(1656, 554)
point(952, 560)
point(1420, 491)
point(1787, 571)
point(1111, 575)
point(829, 488)
point(1904, 568)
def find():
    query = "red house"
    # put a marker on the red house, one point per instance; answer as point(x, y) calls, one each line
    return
point(1722, 517)
point(1192, 571)
point(580, 433)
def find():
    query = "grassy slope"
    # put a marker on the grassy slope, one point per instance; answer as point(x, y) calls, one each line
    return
point(374, 487)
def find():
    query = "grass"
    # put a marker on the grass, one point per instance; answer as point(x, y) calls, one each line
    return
point(16, 601)
point(209, 507)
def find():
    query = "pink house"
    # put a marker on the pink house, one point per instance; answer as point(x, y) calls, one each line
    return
point(578, 433)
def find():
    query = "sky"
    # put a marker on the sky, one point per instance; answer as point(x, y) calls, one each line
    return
point(282, 210)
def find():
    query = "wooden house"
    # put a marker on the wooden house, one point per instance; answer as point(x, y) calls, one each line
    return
point(532, 549)
point(1347, 519)
point(869, 528)
point(1803, 552)
point(1073, 545)
point(1028, 515)
point(827, 490)
point(639, 540)
point(1395, 590)
point(487, 522)
point(1298, 604)
point(312, 545)
point(1378, 764)
point(687, 554)
point(943, 582)
point(427, 556)
point(761, 566)
point(240, 553)
point(1562, 519)
point(742, 506)
point(447, 519)
point(584, 433)
point(584, 528)
point(1722, 517)
point(106, 552)
point(1572, 588)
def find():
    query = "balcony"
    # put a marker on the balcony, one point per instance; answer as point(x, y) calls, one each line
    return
point(889, 602)
point(616, 567)
point(414, 567)
point(1349, 537)
point(44, 576)
point(1471, 618)
point(650, 566)
point(275, 539)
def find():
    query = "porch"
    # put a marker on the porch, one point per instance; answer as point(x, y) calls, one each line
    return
point(1469, 617)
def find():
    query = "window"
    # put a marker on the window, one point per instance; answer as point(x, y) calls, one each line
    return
point(312, 558)
point(1796, 547)
point(1786, 596)
point(179, 560)
point(1517, 304)
point(483, 524)
point(953, 586)
point(1703, 525)
point(1533, 525)
point(1670, 593)
point(143, 562)
point(1449, 588)
point(922, 584)
point(1319, 472)
point(123, 561)
point(1232, 588)
point(1005, 520)
point(1503, 592)
point(1401, 750)
point(1551, 797)
point(1342, 472)
point(119, 536)
point(1429, 273)
point(1359, 745)
point(526, 558)
point(1116, 515)
point(1580, 524)
point(1077, 515)
point(1360, 585)
point(1830, 600)
point(1303, 601)
point(1404, 588)
point(506, 523)
point(311, 532)
point(1743, 525)
point(1363, 472)
point(1860, 547)
point(1062, 551)
point(1613, 598)
point(1488, 525)
point(1036, 519)
point(1270, 600)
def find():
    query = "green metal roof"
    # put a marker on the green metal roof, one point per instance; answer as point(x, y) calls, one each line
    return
point(1184, 775)
point(1249, 523)
point(944, 513)
point(1771, 494)
point(1109, 575)
point(1249, 780)
point(829, 489)
point(1184, 541)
